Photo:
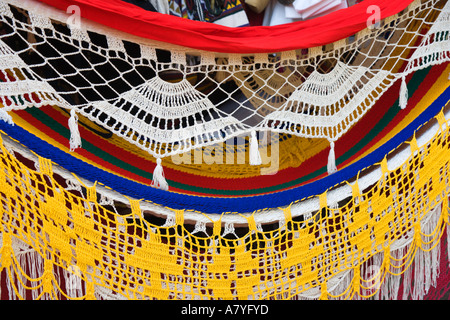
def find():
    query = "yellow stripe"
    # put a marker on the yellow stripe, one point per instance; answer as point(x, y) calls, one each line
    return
point(441, 84)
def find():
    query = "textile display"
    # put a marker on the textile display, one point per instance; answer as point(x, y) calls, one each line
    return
point(119, 89)
point(201, 161)
point(278, 13)
point(229, 13)
point(170, 29)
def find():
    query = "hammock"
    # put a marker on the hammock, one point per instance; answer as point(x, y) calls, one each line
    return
point(93, 112)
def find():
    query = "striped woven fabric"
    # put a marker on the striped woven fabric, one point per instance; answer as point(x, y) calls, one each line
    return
point(387, 238)
point(119, 158)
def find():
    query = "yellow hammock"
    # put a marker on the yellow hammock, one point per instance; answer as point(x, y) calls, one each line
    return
point(65, 237)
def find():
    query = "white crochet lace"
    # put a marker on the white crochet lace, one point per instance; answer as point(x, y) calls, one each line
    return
point(169, 100)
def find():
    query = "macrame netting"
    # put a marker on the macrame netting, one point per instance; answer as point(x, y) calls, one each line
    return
point(169, 100)
point(376, 234)
point(123, 251)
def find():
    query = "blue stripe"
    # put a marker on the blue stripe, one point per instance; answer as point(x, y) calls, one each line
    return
point(212, 204)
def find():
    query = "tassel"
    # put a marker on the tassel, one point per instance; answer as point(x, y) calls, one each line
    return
point(75, 139)
point(403, 94)
point(323, 292)
point(158, 177)
point(5, 116)
point(331, 167)
point(255, 157)
point(445, 212)
point(90, 290)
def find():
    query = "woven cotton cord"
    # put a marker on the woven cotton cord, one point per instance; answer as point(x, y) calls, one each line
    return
point(329, 88)
point(159, 180)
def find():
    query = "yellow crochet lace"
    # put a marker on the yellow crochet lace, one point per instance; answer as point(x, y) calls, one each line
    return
point(122, 254)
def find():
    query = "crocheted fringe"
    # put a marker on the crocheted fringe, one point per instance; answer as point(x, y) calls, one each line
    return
point(32, 261)
point(255, 157)
point(403, 99)
point(159, 181)
point(424, 270)
point(446, 215)
point(331, 166)
point(75, 139)
point(5, 116)
point(417, 273)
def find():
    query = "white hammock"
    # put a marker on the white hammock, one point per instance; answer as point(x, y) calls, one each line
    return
point(169, 100)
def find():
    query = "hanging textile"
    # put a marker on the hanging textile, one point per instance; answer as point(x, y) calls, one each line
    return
point(101, 122)
point(119, 89)
point(160, 255)
point(190, 34)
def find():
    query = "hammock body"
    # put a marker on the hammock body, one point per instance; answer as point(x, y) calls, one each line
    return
point(323, 168)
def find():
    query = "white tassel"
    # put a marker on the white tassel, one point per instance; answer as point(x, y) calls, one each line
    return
point(255, 157)
point(75, 139)
point(418, 290)
point(158, 177)
point(5, 116)
point(403, 99)
point(448, 241)
point(331, 166)
point(445, 211)
point(407, 282)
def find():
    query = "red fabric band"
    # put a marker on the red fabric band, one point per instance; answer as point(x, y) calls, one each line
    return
point(126, 17)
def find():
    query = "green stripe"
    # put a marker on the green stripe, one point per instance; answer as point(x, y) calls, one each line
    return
point(413, 85)
point(386, 119)
point(63, 131)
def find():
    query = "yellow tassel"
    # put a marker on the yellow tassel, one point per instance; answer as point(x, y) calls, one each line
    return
point(47, 277)
point(356, 279)
point(444, 211)
point(5, 252)
point(323, 292)
point(387, 258)
point(217, 227)
point(417, 235)
point(90, 290)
